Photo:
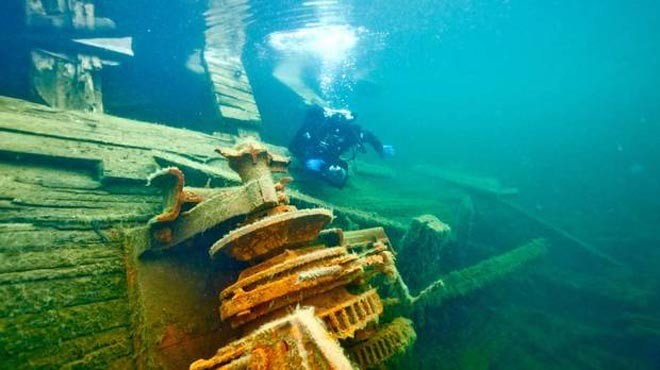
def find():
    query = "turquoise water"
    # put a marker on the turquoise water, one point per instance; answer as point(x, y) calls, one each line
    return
point(559, 94)
point(559, 99)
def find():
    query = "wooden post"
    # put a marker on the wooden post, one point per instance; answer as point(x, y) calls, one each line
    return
point(65, 14)
point(225, 38)
point(67, 82)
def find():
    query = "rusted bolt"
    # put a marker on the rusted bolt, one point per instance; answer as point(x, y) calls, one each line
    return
point(164, 235)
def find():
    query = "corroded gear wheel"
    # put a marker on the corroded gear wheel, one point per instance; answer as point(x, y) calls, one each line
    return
point(297, 342)
point(272, 233)
point(392, 339)
point(308, 276)
point(287, 279)
point(344, 313)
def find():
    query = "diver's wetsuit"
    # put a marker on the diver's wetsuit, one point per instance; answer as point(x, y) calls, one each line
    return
point(324, 137)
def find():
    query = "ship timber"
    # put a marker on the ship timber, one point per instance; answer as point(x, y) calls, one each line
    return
point(81, 283)
point(74, 291)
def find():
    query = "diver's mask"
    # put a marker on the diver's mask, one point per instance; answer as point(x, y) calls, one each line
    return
point(336, 175)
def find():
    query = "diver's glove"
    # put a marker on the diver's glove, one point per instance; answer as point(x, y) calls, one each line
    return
point(388, 151)
point(314, 164)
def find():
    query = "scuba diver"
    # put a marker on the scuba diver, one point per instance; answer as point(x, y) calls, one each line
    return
point(325, 135)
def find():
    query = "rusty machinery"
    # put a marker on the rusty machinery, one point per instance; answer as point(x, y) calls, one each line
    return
point(333, 275)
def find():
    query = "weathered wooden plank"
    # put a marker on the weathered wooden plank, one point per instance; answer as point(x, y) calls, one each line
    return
point(85, 217)
point(6, 204)
point(220, 9)
point(220, 57)
point(28, 237)
point(57, 182)
point(110, 148)
point(238, 87)
point(228, 77)
point(231, 85)
point(52, 178)
point(119, 131)
point(45, 201)
point(123, 165)
point(227, 96)
point(63, 221)
point(101, 358)
point(110, 163)
point(103, 266)
point(34, 297)
point(245, 117)
point(22, 116)
point(219, 171)
point(236, 101)
point(49, 328)
point(71, 351)
point(217, 56)
point(67, 81)
point(32, 196)
point(118, 207)
point(78, 154)
point(58, 258)
point(229, 92)
point(12, 228)
point(23, 188)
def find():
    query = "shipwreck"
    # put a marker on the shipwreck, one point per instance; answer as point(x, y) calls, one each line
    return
point(219, 262)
